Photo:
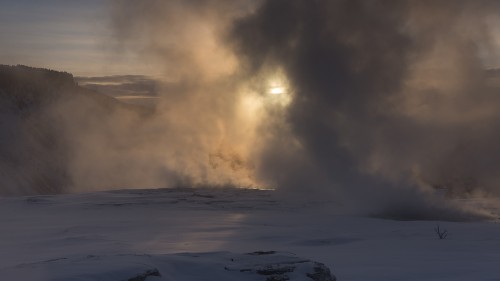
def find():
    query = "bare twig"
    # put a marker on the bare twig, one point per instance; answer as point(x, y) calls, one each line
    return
point(442, 233)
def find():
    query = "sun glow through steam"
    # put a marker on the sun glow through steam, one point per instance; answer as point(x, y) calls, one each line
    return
point(277, 90)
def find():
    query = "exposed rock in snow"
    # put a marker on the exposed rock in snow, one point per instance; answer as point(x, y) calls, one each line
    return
point(145, 275)
point(220, 266)
point(278, 266)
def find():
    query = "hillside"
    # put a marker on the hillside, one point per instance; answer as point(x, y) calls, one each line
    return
point(28, 88)
point(40, 110)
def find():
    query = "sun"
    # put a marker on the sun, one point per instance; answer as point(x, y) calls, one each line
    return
point(277, 90)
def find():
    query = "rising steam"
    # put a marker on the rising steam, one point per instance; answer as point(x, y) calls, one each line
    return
point(378, 100)
point(389, 95)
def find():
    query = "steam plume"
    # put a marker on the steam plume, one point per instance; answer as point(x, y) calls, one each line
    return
point(391, 91)
point(383, 95)
point(382, 100)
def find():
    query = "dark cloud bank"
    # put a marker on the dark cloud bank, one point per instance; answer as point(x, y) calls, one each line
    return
point(387, 100)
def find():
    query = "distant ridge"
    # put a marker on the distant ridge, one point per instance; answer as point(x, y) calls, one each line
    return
point(26, 87)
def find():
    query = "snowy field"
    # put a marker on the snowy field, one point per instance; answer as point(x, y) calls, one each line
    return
point(117, 235)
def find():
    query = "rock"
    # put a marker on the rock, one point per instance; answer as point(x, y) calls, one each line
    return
point(321, 273)
point(277, 266)
point(145, 275)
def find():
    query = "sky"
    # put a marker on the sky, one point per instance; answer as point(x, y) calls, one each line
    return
point(72, 36)
point(78, 37)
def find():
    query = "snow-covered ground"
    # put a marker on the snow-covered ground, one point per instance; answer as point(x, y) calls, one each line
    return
point(105, 234)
